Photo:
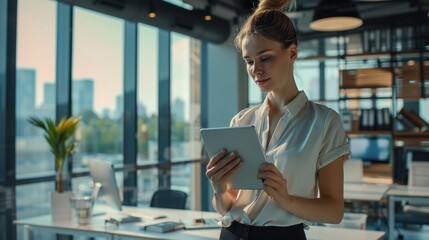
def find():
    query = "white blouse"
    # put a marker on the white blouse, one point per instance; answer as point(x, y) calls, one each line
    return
point(308, 137)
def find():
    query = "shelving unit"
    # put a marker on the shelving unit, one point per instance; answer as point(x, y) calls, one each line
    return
point(394, 76)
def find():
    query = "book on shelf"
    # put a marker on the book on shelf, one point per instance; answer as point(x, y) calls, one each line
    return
point(163, 227)
point(413, 118)
point(346, 118)
point(406, 124)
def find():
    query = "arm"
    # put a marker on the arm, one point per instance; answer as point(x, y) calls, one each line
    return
point(328, 208)
point(219, 171)
point(222, 202)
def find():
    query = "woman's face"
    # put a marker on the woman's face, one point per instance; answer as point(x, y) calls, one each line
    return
point(268, 63)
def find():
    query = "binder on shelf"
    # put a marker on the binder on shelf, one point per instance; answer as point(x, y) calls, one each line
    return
point(375, 119)
point(364, 120)
point(346, 118)
point(381, 125)
point(371, 119)
point(387, 122)
point(414, 118)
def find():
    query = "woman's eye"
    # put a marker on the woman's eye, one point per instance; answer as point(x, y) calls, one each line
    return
point(249, 62)
point(264, 59)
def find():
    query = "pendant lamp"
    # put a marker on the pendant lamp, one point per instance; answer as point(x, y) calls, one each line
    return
point(335, 15)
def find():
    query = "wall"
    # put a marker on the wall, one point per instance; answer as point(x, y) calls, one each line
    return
point(227, 83)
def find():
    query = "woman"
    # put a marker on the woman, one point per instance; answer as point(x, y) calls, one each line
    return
point(304, 142)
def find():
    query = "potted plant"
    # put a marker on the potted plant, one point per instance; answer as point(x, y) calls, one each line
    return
point(60, 138)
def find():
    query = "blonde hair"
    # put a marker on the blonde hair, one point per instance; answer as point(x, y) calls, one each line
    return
point(269, 21)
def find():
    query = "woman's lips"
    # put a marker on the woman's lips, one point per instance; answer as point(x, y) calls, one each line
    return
point(262, 82)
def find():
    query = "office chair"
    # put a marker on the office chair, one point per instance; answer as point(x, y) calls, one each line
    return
point(168, 198)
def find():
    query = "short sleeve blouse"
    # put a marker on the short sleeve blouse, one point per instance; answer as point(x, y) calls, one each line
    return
point(308, 137)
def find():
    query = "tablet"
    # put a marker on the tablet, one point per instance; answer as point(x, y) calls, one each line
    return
point(245, 142)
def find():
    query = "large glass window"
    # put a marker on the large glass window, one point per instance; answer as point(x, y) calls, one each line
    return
point(308, 48)
point(97, 86)
point(307, 78)
point(33, 200)
point(331, 79)
point(185, 97)
point(256, 96)
point(35, 85)
point(147, 112)
point(185, 109)
point(147, 97)
point(147, 184)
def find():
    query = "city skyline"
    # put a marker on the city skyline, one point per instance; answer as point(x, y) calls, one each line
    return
point(82, 98)
point(98, 55)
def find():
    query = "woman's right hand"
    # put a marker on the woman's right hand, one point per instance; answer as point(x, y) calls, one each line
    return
point(220, 169)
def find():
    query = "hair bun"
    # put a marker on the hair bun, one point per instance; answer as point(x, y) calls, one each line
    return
point(280, 5)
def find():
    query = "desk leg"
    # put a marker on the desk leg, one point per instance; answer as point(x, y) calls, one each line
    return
point(27, 232)
point(391, 218)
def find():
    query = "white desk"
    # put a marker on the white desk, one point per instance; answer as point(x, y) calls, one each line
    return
point(365, 191)
point(403, 193)
point(98, 228)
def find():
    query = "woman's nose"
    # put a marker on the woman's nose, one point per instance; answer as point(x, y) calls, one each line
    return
point(257, 69)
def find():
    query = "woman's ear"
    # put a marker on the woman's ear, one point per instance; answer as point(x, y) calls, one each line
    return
point(293, 52)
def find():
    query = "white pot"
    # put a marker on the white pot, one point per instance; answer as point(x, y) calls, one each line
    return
point(60, 206)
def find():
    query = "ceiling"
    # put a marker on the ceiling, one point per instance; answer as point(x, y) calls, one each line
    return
point(187, 16)
point(373, 12)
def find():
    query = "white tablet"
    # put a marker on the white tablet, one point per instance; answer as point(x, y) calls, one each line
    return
point(245, 142)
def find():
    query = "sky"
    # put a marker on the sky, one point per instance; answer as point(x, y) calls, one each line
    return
point(97, 54)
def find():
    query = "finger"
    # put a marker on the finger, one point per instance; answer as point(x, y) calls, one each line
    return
point(269, 190)
point(227, 171)
point(235, 166)
point(215, 158)
point(275, 175)
point(220, 168)
point(224, 161)
point(271, 176)
point(268, 167)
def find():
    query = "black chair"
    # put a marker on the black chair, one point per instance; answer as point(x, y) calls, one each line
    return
point(168, 198)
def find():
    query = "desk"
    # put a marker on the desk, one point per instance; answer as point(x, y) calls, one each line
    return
point(399, 193)
point(98, 228)
point(365, 191)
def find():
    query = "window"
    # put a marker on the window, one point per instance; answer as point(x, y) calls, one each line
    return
point(308, 48)
point(256, 96)
point(97, 86)
point(35, 85)
point(33, 200)
point(331, 79)
point(185, 109)
point(307, 78)
point(185, 98)
point(147, 97)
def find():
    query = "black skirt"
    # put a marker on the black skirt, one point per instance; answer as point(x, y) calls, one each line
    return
point(238, 231)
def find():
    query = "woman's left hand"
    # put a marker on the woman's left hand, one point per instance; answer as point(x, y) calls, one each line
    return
point(275, 185)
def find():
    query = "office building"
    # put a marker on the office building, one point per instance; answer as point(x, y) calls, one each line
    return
point(83, 95)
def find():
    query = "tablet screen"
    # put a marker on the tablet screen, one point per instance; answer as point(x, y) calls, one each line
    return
point(244, 141)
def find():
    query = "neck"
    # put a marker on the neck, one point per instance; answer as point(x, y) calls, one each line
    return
point(281, 97)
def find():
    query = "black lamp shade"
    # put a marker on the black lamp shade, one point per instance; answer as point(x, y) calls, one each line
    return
point(335, 15)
